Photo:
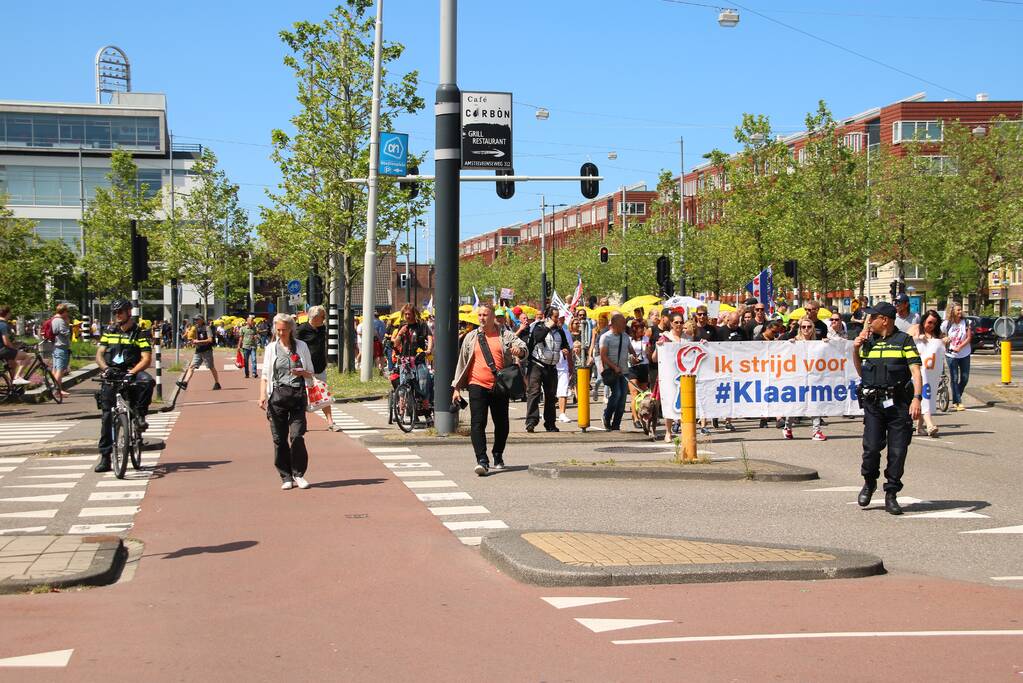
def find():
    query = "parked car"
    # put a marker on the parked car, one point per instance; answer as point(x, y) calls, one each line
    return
point(983, 332)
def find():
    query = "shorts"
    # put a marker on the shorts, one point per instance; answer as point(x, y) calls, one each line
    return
point(203, 357)
point(564, 377)
point(639, 373)
point(61, 358)
point(7, 353)
point(378, 349)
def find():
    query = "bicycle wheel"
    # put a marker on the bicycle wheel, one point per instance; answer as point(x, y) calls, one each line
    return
point(5, 388)
point(51, 386)
point(122, 444)
point(405, 410)
point(943, 395)
point(390, 407)
point(136, 448)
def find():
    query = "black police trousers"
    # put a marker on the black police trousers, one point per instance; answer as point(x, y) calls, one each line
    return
point(139, 395)
point(891, 427)
point(541, 378)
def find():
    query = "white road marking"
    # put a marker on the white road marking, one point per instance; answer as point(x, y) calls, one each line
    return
point(957, 513)
point(836, 489)
point(406, 465)
point(30, 514)
point(470, 540)
point(565, 603)
point(429, 484)
point(483, 524)
point(68, 458)
point(22, 530)
point(998, 530)
point(54, 485)
point(122, 482)
point(880, 503)
point(54, 659)
point(131, 474)
point(460, 510)
point(61, 467)
point(447, 495)
point(419, 473)
point(17, 460)
point(6, 469)
point(52, 498)
point(117, 495)
point(1007, 578)
point(397, 457)
point(836, 634)
point(374, 451)
point(122, 511)
point(77, 475)
point(603, 625)
point(99, 528)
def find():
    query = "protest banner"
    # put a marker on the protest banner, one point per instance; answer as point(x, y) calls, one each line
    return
point(932, 364)
point(761, 379)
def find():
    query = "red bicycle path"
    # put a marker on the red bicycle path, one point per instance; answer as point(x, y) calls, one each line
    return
point(354, 579)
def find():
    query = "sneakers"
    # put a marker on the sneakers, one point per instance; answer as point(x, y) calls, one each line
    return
point(819, 436)
point(182, 385)
point(287, 485)
point(20, 381)
point(334, 427)
point(530, 428)
point(301, 482)
point(787, 432)
point(216, 386)
point(103, 465)
point(498, 463)
point(729, 427)
point(553, 429)
point(563, 418)
point(704, 431)
point(763, 422)
point(481, 469)
point(959, 406)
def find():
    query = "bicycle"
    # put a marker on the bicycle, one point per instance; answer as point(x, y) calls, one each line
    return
point(126, 435)
point(943, 395)
point(9, 391)
point(406, 404)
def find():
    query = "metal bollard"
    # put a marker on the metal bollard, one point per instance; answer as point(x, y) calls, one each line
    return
point(582, 391)
point(156, 353)
point(687, 385)
point(1006, 362)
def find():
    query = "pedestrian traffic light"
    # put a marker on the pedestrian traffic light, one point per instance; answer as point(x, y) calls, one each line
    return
point(410, 187)
point(894, 288)
point(505, 190)
point(547, 291)
point(604, 254)
point(139, 256)
point(790, 269)
point(314, 289)
point(590, 188)
point(663, 270)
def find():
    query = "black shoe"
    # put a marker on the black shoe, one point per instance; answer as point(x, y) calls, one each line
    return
point(891, 503)
point(246, 376)
point(552, 429)
point(142, 424)
point(481, 469)
point(182, 385)
point(779, 423)
point(498, 463)
point(103, 465)
point(763, 422)
point(714, 422)
point(866, 493)
point(530, 428)
point(216, 386)
point(607, 425)
point(729, 427)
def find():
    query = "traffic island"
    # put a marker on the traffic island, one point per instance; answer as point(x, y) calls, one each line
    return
point(30, 563)
point(430, 438)
point(582, 558)
point(52, 449)
point(704, 469)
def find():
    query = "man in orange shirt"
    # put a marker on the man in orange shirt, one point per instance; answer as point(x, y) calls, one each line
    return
point(474, 374)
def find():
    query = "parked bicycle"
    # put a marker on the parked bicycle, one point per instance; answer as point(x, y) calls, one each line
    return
point(944, 393)
point(126, 432)
point(9, 391)
point(406, 403)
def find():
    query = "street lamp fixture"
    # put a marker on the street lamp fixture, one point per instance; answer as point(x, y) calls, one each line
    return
point(542, 114)
point(729, 18)
point(612, 155)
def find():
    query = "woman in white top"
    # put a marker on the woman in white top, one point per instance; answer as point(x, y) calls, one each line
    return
point(958, 335)
point(806, 331)
point(674, 334)
point(287, 369)
point(927, 335)
point(639, 363)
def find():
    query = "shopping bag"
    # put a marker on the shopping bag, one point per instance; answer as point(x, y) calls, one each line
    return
point(319, 395)
point(239, 362)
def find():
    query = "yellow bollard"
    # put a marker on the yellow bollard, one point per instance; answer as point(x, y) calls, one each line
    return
point(582, 392)
point(687, 386)
point(1006, 362)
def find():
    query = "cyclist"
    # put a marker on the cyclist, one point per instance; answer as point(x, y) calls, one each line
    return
point(10, 350)
point(414, 340)
point(124, 352)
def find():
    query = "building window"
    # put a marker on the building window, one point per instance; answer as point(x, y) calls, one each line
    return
point(509, 240)
point(632, 208)
point(935, 165)
point(801, 155)
point(68, 131)
point(853, 141)
point(601, 212)
point(59, 185)
point(69, 231)
point(570, 220)
point(917, 131)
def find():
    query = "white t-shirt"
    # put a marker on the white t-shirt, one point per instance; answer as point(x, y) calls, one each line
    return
point(903, 324)
point(956, 333)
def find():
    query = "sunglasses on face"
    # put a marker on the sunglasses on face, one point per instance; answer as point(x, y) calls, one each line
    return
point(676, 322)
point(836, 320)
point(806, 327)
point(759, 308)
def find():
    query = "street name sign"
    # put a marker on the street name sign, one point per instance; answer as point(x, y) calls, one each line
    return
point(487, 130)
point(393, 153)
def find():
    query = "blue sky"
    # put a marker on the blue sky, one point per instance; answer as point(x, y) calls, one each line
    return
point(625, 76)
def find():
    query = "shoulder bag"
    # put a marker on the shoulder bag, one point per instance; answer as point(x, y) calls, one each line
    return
point(507, 381)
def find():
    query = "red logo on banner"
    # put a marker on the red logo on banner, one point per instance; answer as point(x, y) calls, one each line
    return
point(689, 358)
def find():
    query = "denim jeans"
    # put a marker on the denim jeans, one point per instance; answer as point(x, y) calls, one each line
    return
point(619, 388)
point(249, 356)
point(958, 376)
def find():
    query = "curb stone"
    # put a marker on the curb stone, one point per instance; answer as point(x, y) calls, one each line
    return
point(38, 395)
point(992, 401)
point(73, 447)
point(510, 553)
point(105, 567)
point(763, 470)
point(359, 399)
point(547, 438)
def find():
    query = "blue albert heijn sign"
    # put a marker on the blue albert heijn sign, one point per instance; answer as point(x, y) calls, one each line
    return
point(393, 153)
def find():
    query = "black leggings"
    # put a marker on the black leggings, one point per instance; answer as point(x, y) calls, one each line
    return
point(480, 401)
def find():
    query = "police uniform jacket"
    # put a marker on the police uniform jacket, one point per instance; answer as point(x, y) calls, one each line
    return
point(886, 360)
point(124, 349)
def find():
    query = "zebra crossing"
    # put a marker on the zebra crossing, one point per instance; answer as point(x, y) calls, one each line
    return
point(31, 431)
point(422, 479)
point(161, 424)
point(352, 426)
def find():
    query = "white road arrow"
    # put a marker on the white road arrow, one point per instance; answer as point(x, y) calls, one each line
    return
point(57, 658)
point(958, 513)
point(602, 625)
point(999, 530)
point(564, 603)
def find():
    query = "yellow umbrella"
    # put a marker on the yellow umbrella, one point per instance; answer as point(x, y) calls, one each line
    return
point(595, 313)
point(644, 301)
point(469, 318)
point(465, 308)
point(823, 314)
point(528, 310)
point(727, 308)
point(392, 317)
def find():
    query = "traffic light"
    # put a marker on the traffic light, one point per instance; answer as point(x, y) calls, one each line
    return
point(547, 291)
point(411, 187)
point(790, 269)
point(663, 270)
point(403, 280)
point(604, 254)
point(314, 289)
point(894, 288)
point(590, 188)
point(139, 255)
point(505, 190)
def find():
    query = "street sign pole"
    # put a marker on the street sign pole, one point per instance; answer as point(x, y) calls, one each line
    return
point(447, 163)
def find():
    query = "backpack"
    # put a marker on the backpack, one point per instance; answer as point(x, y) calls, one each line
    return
point(46, 332)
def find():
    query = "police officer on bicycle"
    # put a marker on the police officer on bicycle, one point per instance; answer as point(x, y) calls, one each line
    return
point(124, 352)
point(890, 394)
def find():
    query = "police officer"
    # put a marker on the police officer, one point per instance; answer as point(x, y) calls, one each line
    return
point(890, 394)
point(124, 351)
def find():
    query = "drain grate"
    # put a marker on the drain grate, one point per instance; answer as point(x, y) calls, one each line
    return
point(632, 450)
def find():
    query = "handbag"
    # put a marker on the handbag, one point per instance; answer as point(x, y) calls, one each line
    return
point(507, 381)
point(239, 362)
point(319, 395)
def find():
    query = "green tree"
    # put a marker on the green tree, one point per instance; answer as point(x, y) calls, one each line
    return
point(107, 227)
point(209, 244)
point(316, 215)
point(30, 264)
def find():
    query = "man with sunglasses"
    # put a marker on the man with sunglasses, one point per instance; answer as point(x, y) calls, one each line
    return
point(704, 330)
point(836, 327)
point(756, 326)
